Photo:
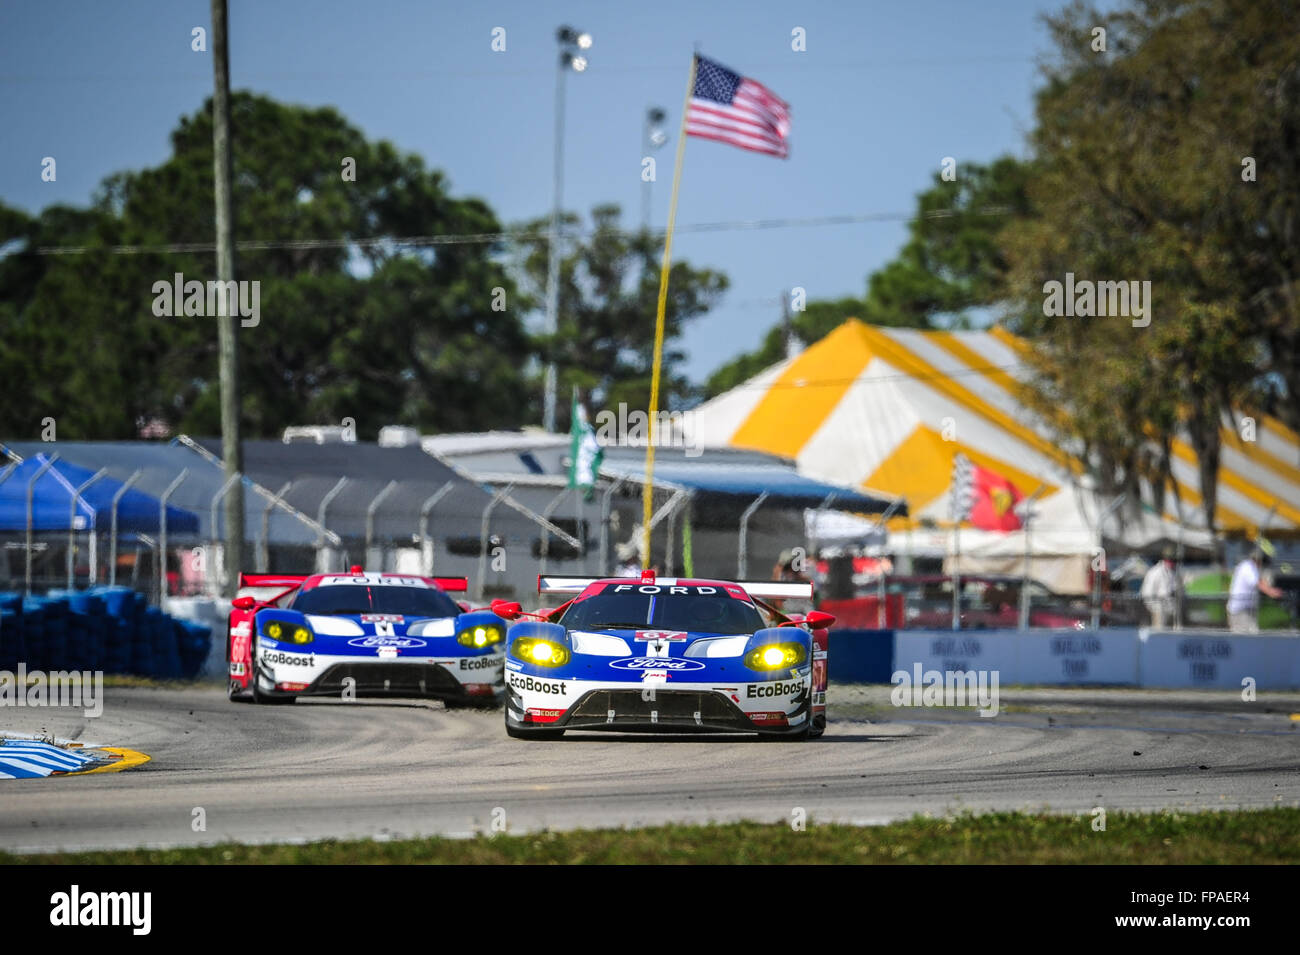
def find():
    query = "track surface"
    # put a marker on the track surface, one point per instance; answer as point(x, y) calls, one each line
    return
point(385, 770)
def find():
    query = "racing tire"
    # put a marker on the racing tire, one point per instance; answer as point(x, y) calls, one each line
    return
point(258, 696)
point(238, 696)
point(472, 704)
point(519, 733)
point(797, 737)
point(818, 727)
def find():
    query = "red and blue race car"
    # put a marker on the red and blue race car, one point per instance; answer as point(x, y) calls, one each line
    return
point(663, 655)
point(362, 634)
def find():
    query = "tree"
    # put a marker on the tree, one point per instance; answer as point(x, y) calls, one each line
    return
point(354, 323)
point(608, 297)
point(1140, 176)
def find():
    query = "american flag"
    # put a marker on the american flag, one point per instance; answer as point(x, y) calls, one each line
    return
point(733, 109)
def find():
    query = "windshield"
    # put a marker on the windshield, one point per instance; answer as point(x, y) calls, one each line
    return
point(353, 599)
point(694, 612)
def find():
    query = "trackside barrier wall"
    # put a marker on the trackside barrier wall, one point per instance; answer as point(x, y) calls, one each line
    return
point(1219, 660)
point(1112, 657)
point(860, 656)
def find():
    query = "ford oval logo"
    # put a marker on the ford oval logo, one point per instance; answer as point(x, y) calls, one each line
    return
point(655, 663)
point(372, 642)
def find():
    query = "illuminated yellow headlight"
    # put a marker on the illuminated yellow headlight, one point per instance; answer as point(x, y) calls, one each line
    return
point(776, 656)
point(286, 633)
point(541, 652)
point(480, 637)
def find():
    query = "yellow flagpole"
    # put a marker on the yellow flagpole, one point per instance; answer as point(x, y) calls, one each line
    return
point(647, 489)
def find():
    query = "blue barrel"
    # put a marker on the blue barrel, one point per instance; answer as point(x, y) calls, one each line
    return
point(117, 645)
point(36, 650)
point(90, 611)
point(118, 601)
point(57, 652)
point(166, 658)
point(195, 643)
point(12, 644)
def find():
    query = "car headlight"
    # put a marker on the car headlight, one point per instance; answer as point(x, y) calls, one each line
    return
point(480, 637)
point(286, 632)
point(544, 653)
point(776, 656)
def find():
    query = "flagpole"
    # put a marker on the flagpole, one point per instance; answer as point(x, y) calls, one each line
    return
point(647, 489)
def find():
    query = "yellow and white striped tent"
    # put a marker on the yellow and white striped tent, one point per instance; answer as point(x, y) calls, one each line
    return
point(887, 410)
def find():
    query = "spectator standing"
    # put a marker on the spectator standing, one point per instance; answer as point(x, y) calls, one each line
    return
point(1243, 593)
point(1160, 589)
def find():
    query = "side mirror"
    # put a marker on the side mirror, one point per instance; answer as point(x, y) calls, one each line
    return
point(819, 620)
point(506, 609)
point(244, 603)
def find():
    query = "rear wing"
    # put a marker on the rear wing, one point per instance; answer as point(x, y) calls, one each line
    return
point(777, 590)
point(565, 585)
point(765, 589)
point(264, 587)
point(457, 585)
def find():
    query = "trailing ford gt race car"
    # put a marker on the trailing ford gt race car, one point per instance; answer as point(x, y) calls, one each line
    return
point(665, 655)
point(360, 634)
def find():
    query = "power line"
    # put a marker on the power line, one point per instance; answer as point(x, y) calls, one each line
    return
point(479, 238)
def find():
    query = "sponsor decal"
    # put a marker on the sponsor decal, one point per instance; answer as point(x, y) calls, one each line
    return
point(370, 643)
point(382, 618)
point(387, 653)
point(755, 691)
point(536, 715)
point(237, 669)
point(530, 684)
point(655, 663)
point(655, 676)
point(657, 635)
point(372, 580)
point(242, 629)
point(479, 663)
point(288, 659)
point(514, 665)
point(657, 589)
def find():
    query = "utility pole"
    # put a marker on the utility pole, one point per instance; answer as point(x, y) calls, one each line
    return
point(232, 452)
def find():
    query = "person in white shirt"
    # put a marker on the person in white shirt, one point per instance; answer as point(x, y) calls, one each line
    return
point(1243, 594)
point(1160, 590)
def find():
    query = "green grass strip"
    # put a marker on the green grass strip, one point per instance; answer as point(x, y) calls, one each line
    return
point(1203, 838)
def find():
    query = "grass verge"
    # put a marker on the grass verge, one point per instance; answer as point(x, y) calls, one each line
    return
point(1205, 838)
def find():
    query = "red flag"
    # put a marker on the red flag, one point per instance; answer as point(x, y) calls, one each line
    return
point(995, 500)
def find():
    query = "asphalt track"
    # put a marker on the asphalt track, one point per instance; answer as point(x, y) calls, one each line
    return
point(323, 769)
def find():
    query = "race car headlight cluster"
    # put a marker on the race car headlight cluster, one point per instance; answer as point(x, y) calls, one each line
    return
point(480, 637)
point(776, 656)
point(287, 632)
point(545, 653)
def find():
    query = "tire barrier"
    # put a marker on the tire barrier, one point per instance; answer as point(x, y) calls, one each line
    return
point(1184, 659)
point(109, 629)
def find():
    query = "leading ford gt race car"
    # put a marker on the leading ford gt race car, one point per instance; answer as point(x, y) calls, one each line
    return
point(666, 655)
point(360, 634)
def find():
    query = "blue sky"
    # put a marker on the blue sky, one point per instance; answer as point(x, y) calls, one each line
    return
point(883, 92)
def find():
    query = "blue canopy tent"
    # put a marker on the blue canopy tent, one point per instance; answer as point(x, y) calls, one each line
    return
point(52, 502)
point(68, 499)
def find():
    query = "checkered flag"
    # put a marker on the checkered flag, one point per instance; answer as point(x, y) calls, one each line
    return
point(961, 494)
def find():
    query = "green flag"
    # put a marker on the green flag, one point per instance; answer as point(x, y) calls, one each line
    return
point(585, 453)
